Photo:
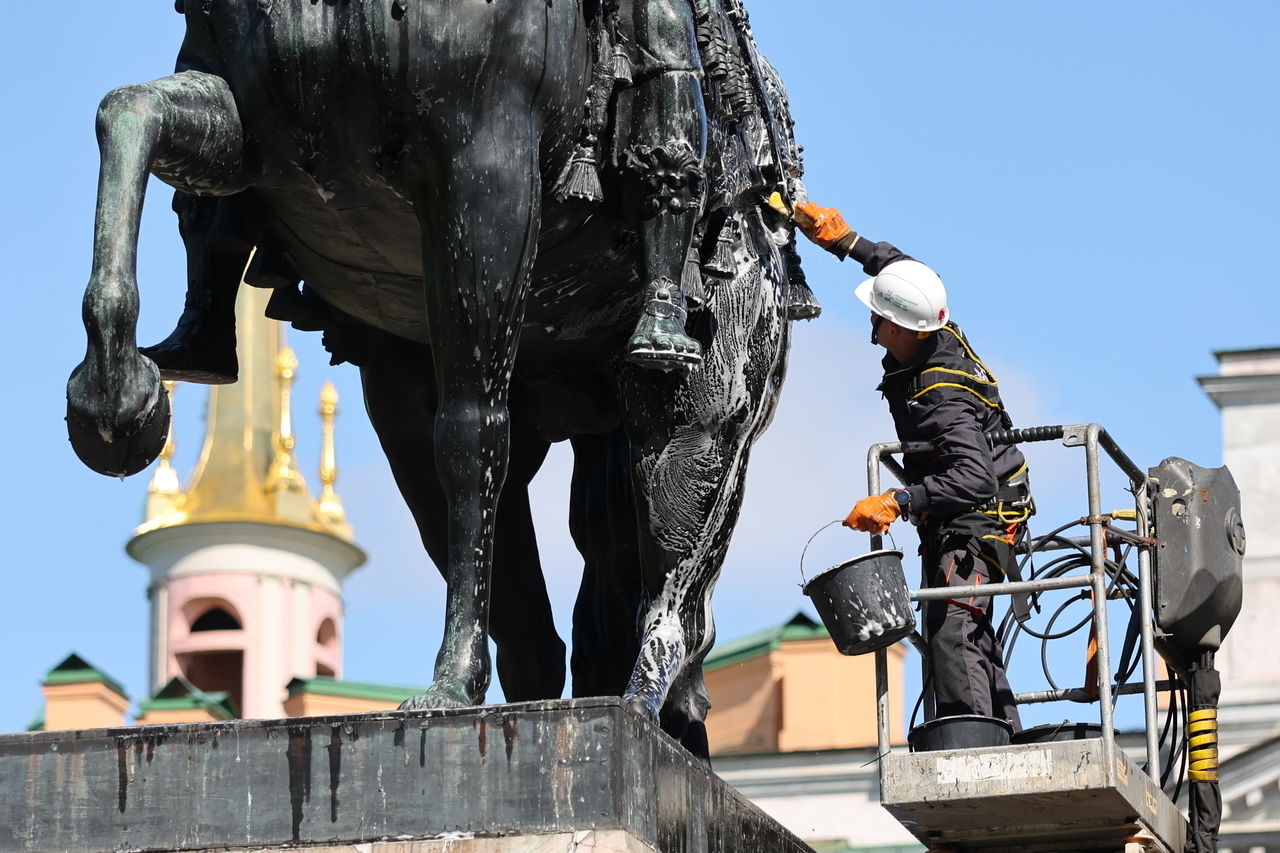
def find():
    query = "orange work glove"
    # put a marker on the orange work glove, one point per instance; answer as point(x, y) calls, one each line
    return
point(823, 225)
point(874, 514)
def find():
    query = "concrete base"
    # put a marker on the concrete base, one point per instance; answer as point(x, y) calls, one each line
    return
point(580, 775)
point(1033, 798)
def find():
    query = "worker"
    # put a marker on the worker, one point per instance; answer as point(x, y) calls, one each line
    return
point(970, 500)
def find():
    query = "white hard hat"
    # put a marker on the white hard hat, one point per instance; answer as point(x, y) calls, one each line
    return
point(908, 294)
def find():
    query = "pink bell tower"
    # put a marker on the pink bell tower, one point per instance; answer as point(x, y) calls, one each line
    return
point(246, 565)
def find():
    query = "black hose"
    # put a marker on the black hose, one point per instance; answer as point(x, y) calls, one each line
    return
point(1169, 729)
point(1019, 436)
point(1009, 629)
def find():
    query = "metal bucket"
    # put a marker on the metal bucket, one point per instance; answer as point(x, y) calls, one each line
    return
point(864, 602)
point(964, 731)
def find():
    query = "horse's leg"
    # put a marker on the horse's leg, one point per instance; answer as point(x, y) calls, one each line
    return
point(689, 491)
point(690, 465)
point(400, 396)
point(480, 219)
point(602, 520)
point(606, 644)
point(684, 714)
point(186, 130)
point(530, 661)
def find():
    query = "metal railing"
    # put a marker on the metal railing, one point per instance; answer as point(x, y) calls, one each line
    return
point(1095, 440)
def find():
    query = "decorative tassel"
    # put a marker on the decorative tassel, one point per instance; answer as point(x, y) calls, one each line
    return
point(581, 177)
point(721, 264)
point(692, 283)
point(801, 303)
point(622, 75)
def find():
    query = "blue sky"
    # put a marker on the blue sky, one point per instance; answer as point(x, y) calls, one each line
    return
point(1096, 182)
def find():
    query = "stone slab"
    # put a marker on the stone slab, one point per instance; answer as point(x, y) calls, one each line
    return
point(511, 772)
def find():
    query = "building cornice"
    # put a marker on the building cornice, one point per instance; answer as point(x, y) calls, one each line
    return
point(317, 557)
point(1242, 390)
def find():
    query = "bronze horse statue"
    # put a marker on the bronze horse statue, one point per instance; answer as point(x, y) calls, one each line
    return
point(410, 161)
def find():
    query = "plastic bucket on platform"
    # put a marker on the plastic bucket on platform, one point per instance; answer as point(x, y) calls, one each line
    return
point(965, 731)
point(864, 602)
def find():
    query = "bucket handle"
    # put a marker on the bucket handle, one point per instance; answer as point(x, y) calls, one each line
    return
point(803, 581)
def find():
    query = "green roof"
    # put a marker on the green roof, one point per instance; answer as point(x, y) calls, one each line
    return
point(76, 670)
point(352, 689)
point(37, 722)
point(181, 695)
point(799, 627)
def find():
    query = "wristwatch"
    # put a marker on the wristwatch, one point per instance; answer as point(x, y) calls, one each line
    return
point(903, 497)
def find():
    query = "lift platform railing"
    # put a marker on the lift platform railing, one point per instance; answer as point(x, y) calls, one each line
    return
point(1095, 440)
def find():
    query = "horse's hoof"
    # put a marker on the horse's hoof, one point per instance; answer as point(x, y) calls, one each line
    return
point(637, 705)
point(438, 697)
point(121, 439)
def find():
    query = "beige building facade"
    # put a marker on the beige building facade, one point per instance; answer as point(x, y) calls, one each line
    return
point(787, 689)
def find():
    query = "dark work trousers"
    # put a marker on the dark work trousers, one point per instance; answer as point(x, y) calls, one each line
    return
point(966, 671)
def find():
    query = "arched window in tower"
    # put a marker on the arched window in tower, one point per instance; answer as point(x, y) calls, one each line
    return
point(211, 614)
point(215, 619)
point(327, 640)
point(211, 657)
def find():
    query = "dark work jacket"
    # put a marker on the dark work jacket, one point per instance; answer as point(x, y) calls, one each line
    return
point(930, 400)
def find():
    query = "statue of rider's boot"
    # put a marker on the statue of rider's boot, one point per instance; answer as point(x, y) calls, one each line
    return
point(202, 347)
point(670, 175)
point(659, 339)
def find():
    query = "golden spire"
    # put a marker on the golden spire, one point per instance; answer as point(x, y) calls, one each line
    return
point(247, 470)
point(164, 493)
point(330, 503)
point(284, 475)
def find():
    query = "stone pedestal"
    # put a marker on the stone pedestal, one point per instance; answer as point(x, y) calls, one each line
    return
point(580, 775)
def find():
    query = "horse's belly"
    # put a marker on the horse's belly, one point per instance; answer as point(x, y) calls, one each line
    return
point(365, 259)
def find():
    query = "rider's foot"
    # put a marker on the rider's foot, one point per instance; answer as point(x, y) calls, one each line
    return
point(659, 341)
point(201, 349)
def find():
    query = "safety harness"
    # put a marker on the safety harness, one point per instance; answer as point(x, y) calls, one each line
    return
point(1012, 503)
